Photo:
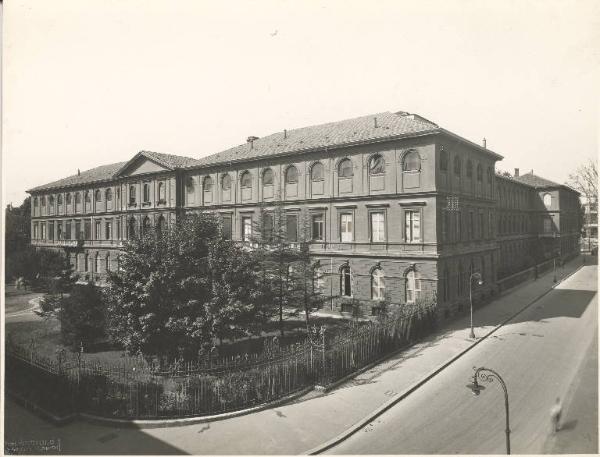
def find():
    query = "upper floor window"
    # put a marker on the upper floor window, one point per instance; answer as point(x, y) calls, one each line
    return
point(35, 202)
point(490, 176)
point(377, 165)
point(246, 180)
point(87, 197)
point(98, 196)
point(548, 200)
point(412, 161)
point(51, 200)
point(226, 182)
point(146, 192)
point(59, 199)
point(345, 169)
point(346, 281)
point(377, 227)
point(346, 227)
point(268, 177)
point(291, 175)
point(162, 194)
point(457, 166)
point(317, 172)
point(77, 198)
point(207, 184)
point(377, 284)
point(108, 195)
point(132, 197)
point(479, 173)
point(469, 169)
point(412, 226)
point(443, 160)
point(43, 199)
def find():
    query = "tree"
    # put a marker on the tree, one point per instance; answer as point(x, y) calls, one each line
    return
point(17, 238)
point(585, 181)
point(178, 290)
point(82, 316)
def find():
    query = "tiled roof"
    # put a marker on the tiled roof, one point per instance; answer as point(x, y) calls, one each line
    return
point(536, 181)
point(101, 173)
point(107, 172)
point(333, 134)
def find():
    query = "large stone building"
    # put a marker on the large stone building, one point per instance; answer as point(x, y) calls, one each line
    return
point(396, 207)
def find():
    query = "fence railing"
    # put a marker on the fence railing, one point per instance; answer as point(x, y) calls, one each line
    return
point(139, 389)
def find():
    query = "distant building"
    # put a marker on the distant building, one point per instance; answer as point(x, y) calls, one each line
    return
point(396, 207)
point(590, 222)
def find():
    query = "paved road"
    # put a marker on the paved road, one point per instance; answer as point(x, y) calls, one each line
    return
point(538, 354)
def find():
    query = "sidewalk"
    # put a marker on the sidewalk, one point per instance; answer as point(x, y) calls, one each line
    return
point(310, 421)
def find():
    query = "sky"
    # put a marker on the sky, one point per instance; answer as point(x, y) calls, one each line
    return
point(87, 83)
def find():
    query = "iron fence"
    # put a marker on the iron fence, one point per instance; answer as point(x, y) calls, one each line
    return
point(141, 389)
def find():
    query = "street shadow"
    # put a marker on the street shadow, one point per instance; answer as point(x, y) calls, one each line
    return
point(569, 425)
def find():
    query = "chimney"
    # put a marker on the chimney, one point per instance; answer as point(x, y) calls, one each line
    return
point(284, 134)
point(78, 172)
point(375, 122)
point(484, 143)
point(516, 172)
point(251, 140)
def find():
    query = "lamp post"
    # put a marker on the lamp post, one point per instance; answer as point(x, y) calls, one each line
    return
point(488, 375)
point(479, 282)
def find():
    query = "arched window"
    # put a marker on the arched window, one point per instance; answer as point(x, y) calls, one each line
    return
point(291, 175)
point(35, 202)
point(412, 161)
point(207, 184)
point(131, 229)
point(317, 172)
point(51, 200)
point(479, 173)
point(78, 198)
point(469, 169)
point(132, 197)
point(345, 169)
point(59, 199)
point(413, 287)
point(160, 226)
point(377, 284)
point(43, 200)
point(547, 200)
point(376, 165)
point(146, 192)
point(98, 196)
point(443, 160)
point(457, 166)
point(107, 262)
point(87, 197)
point(108, 195)
point(346, 281)
point(268, 177)
point(226, 182)
point(246, 180)
point(162, 194)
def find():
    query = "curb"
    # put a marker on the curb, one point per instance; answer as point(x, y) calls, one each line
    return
point(164, 423)
point(396, 399)
point(58, 420)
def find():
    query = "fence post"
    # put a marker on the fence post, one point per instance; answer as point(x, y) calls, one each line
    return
point(322, 332)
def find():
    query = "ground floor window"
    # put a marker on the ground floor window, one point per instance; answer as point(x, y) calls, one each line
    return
point(346, 281)
point(413, 287)
point(246, 228)
point(377, 284)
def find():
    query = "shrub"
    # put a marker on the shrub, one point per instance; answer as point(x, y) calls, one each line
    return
point(50, 303)
point(82, 316)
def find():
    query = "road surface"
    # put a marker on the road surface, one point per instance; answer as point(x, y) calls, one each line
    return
point(539, 354)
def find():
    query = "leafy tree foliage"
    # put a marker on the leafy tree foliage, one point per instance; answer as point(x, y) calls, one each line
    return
point(82, 316)
point(179, 290)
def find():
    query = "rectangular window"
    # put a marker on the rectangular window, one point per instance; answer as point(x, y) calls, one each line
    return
point(68, 230)
point(43, 230)
point(87, 230)
point(412, 226)
point(50, 230)
point(35, 231)
point(481, 229)
point(346, 228)
point(471, 233)
point(458, 223)
point(490, 224)
point(547, 225)
point(108, 230)
point(246, 228)
point(318, 227)
point(377, 227)
point(98, 230)
point(118, 229)
point(78, 230)
point(227, 232)
point(291, 227)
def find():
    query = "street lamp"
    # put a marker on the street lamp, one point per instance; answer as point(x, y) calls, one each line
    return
point(480, 282)
point(488, 375)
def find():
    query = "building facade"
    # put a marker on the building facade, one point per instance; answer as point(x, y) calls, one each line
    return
point(396, 208)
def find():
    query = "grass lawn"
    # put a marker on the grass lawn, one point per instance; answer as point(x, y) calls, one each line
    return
point(45, 333)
